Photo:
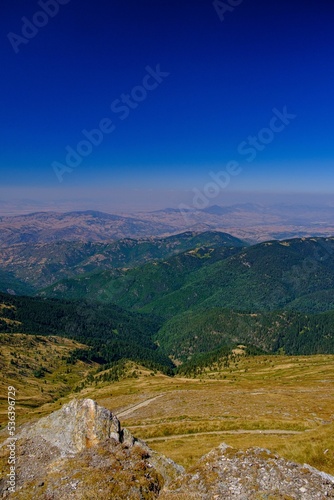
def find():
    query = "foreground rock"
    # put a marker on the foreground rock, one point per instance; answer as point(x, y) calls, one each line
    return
point(81, 452)
point(256, 474)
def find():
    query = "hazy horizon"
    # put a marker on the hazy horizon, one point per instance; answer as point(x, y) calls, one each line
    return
point(159, 201)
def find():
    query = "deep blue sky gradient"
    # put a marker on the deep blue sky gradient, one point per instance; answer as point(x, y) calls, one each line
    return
point(225, 79)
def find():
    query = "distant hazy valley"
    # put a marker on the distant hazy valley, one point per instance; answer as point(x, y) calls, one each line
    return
point(248, 221)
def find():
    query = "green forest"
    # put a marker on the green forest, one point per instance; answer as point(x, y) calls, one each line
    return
point(194, 305)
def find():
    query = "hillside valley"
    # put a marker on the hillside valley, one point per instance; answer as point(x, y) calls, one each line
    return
point(189, 340)
point(176, 297)
point(267, 276)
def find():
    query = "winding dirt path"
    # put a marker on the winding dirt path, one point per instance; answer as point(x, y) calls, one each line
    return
point(138, 406)
point(239, 431)
point(147, 402)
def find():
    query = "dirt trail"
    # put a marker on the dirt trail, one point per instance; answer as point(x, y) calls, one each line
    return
point(138, 406)
point(239, 431)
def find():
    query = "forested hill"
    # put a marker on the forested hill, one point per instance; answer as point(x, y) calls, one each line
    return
point(11, 284)
point(143, 285)
point(293, 274)
point(42, 264)
point(276, 296)
point(193, 333)
point(112, 332)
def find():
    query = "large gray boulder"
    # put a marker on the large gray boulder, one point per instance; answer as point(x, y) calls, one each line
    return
point(77, 425)
point(81, 452)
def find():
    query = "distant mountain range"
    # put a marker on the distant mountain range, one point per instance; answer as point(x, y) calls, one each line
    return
point(43, 227)
point(250, 222)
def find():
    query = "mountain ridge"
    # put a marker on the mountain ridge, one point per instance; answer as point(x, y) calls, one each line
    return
point(263, 277)
point(247, 221)
point(41, 264)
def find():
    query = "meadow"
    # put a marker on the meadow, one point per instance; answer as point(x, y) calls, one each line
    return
point(283, 403)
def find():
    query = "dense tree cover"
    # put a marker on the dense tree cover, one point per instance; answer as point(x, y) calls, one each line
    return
point(193, 333)
point(111, 332)
point(275, 296)
point(295, 274)
point(139, 287)
point(41, 264)
point(314, 302)
point(9, 283)
point(196, 338)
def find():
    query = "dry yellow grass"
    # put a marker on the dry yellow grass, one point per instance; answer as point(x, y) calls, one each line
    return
point(260, 393)
point(191, 416)
point(21, 356)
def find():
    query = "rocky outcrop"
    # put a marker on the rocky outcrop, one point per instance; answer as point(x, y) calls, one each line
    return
point(256, 474)
point(76, 426)
point(81, 452)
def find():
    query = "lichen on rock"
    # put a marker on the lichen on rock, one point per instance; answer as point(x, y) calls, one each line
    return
point(81, 451)
point(255, 474)
point(77, 425)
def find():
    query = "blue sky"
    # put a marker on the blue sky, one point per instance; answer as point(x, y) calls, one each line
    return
point(222, 80)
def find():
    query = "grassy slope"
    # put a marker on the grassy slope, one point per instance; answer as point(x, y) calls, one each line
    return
point(186, 417)
point(252, 394)
point(21, 359)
